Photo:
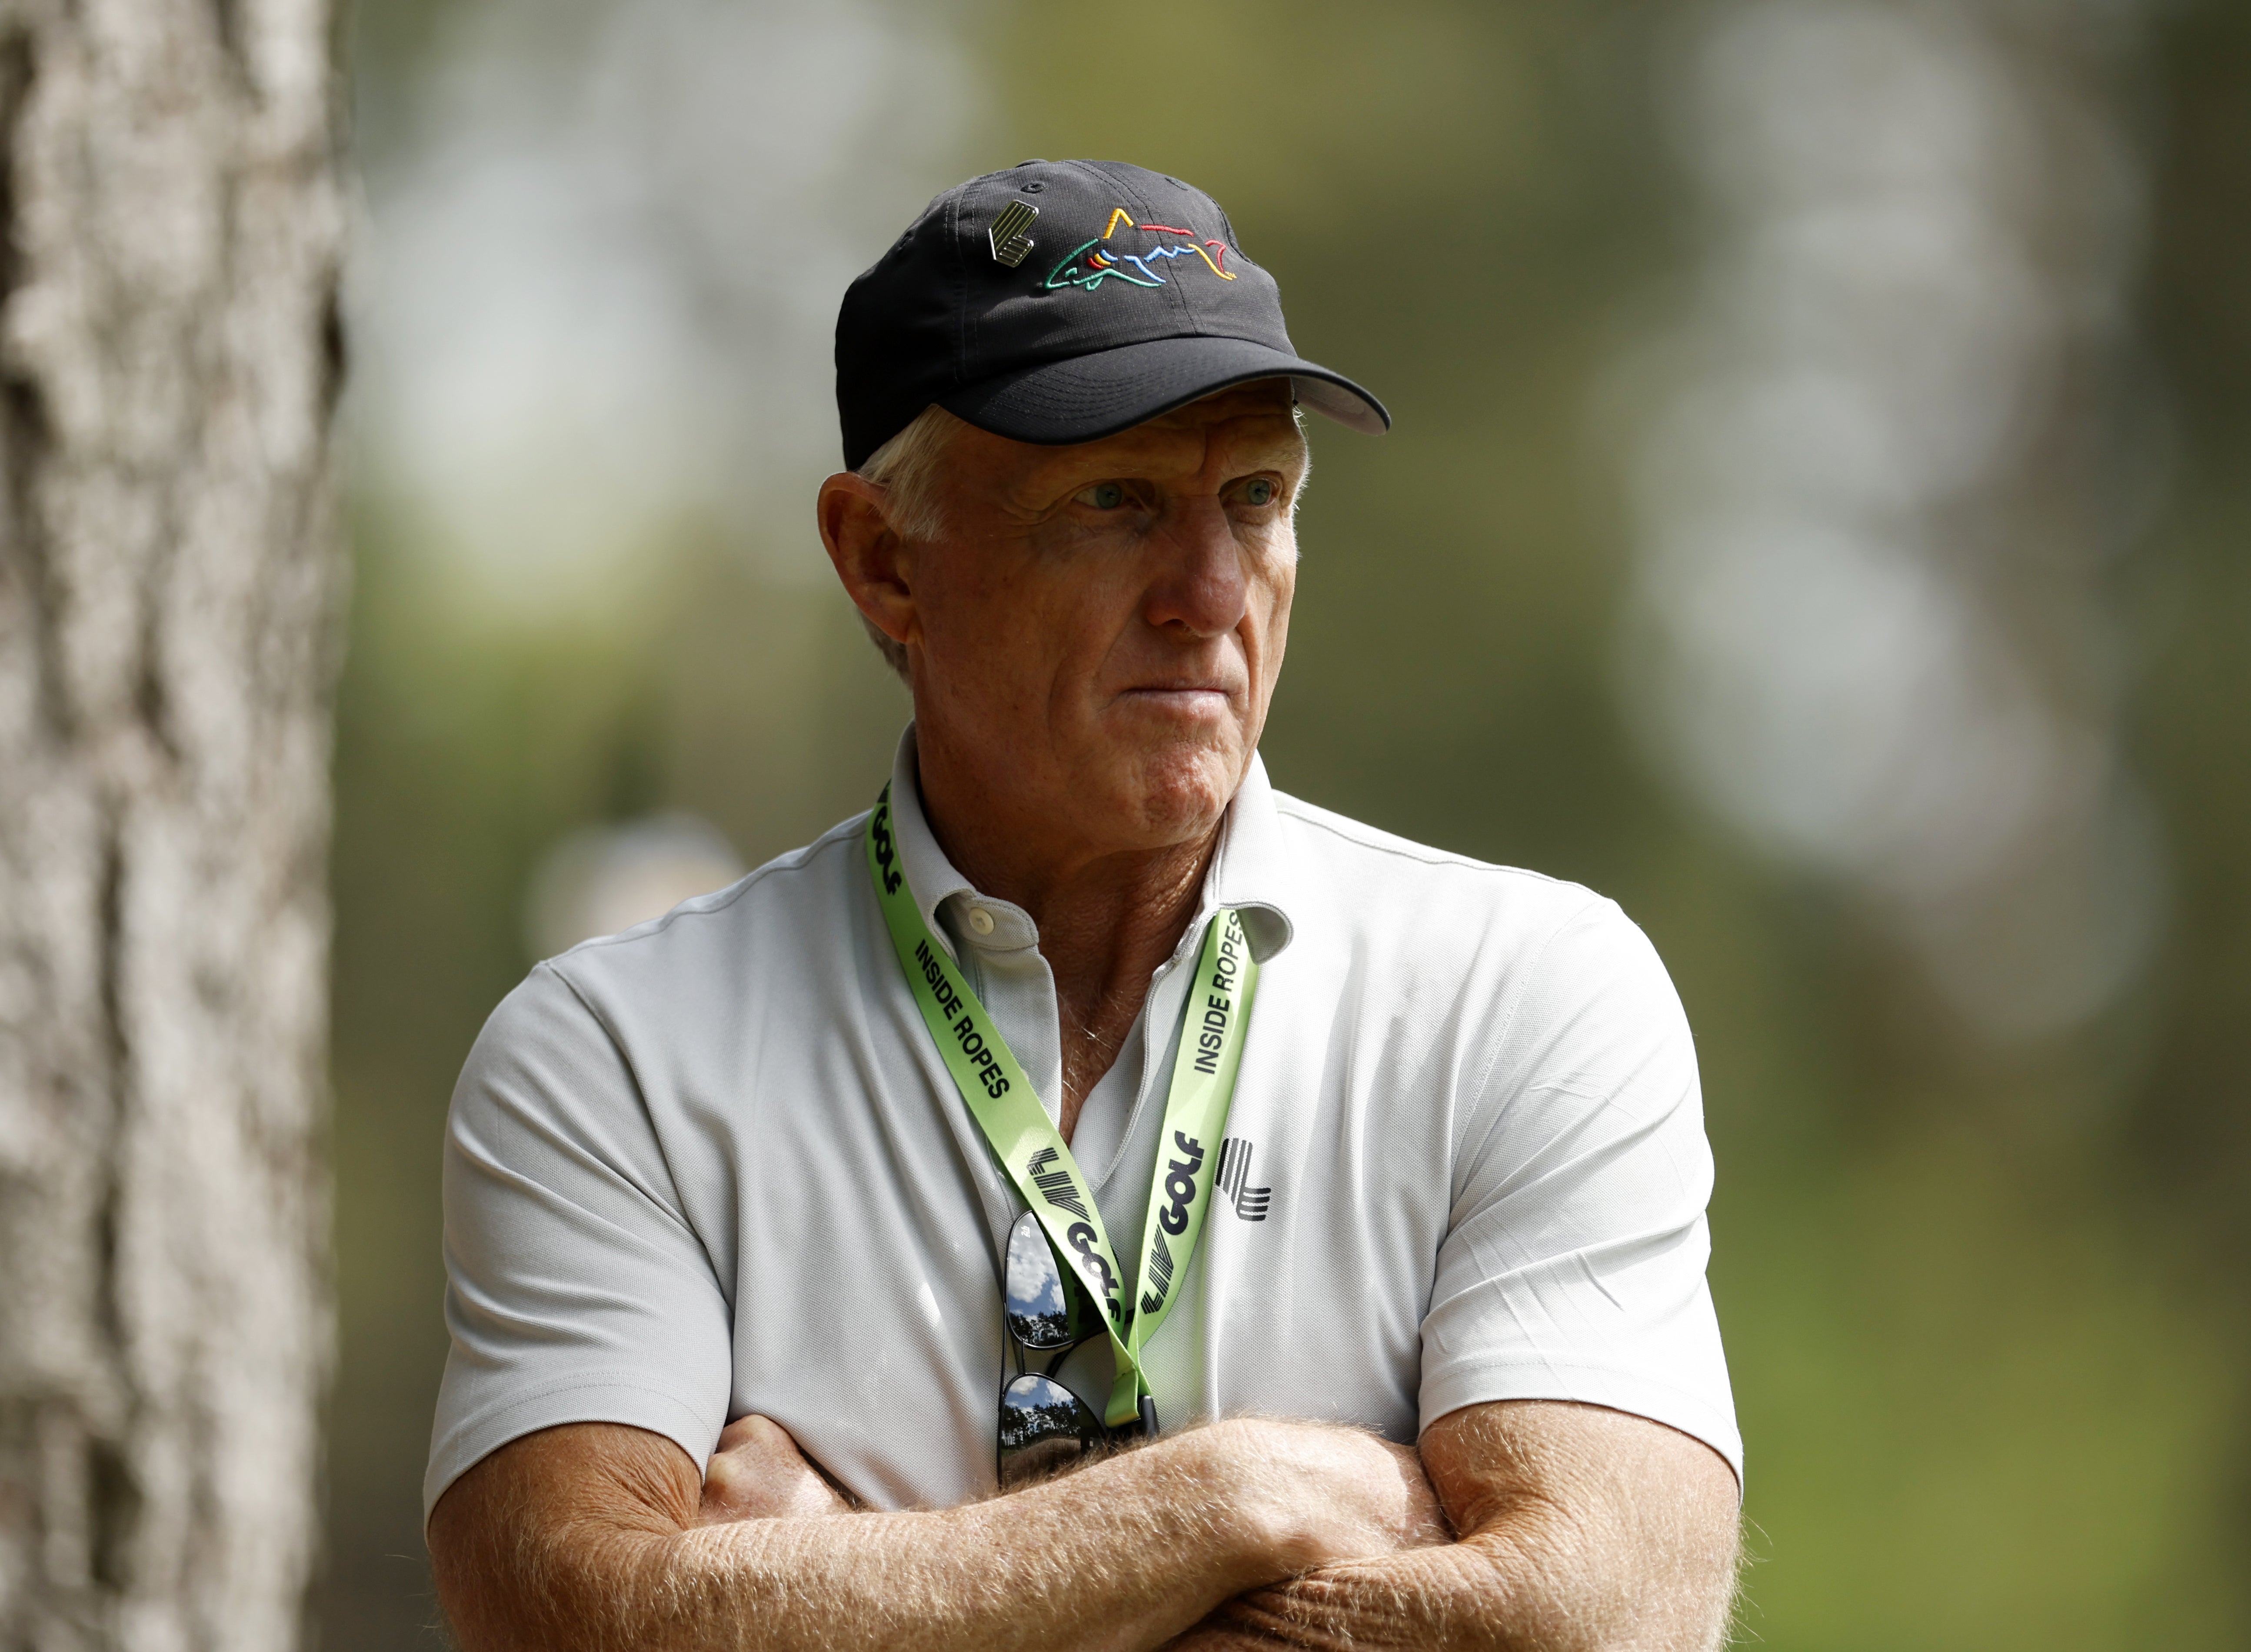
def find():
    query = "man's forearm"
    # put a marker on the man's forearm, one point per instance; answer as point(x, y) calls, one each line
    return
point(1054, 1565)
point(1060, 1561)
point(1481, 1593)
point(1126, 1554)
point(1583, 1528)
point(1123, 1556)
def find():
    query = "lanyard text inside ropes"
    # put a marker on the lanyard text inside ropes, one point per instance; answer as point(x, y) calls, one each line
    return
point(1033, 1153)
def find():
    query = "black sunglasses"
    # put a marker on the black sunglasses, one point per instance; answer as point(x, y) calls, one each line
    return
point(1044, 1427)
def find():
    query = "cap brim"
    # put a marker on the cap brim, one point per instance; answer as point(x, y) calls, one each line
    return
point(1086, 398)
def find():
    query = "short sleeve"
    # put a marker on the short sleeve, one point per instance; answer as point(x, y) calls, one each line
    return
point(576, 1289)
point(1573, 1266)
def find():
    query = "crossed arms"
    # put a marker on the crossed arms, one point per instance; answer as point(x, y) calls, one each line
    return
point(1528, 1524)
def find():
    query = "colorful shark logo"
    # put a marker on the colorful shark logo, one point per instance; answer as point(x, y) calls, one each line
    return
point(1097, 261)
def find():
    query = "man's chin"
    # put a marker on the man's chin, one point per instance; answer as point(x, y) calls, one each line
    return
point(1178, 794)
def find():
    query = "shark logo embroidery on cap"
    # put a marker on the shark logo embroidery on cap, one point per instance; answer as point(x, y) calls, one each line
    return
point(1096, 261)
point(1008, 237)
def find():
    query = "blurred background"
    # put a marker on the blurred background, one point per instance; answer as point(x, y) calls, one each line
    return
point(1817, 517)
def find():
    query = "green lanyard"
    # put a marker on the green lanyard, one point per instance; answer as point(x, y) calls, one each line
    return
point(1006, 1107)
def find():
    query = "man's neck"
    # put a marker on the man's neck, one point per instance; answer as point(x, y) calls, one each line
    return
point(1106, 921)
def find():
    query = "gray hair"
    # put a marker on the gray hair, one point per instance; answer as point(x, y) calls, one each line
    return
point(906, 469)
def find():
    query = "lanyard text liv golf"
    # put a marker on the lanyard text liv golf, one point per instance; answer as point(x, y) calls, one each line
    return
point(1000, 1098)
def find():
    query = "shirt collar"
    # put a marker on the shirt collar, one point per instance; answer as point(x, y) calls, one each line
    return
point(1250, 870)
point(930, 874)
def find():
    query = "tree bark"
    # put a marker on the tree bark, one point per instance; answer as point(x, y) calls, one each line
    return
point(170, 580)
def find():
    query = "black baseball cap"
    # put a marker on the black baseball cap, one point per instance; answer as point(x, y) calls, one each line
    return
point(1063, 301)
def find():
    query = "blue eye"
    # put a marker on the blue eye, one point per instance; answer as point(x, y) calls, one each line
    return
point(1103, 496)
point(1258, 492)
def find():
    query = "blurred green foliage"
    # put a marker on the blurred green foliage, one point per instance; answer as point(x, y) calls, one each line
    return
point(1986, 1312)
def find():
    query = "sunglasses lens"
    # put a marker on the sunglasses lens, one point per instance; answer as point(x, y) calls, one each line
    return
point(1037, 1304)
point(1044, 1427)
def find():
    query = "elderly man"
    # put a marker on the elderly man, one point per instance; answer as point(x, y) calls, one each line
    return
point(1330, 1208)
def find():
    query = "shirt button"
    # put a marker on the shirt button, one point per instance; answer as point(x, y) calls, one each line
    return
point(980, 920)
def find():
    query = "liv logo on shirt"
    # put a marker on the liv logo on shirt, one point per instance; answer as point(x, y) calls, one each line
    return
point(1250, 1202)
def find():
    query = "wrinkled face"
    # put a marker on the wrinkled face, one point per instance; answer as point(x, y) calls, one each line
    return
point(1097, 634)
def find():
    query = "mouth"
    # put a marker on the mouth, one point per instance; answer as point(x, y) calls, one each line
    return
point(1193, 699)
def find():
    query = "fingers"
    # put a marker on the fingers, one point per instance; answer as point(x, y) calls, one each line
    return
point(759, 1473)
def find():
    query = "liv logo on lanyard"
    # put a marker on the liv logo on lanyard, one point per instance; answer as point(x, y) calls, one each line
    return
point(1006, 1107)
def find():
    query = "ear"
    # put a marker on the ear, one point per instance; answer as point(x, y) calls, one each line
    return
point(868, 555)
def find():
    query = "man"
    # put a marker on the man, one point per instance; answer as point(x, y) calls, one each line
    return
point(1415, 1350)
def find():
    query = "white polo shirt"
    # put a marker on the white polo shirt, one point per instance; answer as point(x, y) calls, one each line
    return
point(714, 1165)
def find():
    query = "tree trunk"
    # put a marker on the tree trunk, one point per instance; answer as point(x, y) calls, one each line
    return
point(170, 579)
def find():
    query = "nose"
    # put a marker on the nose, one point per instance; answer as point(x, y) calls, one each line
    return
point(1201, 587)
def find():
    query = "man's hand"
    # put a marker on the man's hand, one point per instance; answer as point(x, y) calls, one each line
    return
point(759, 1473)
point(1320, 1494)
